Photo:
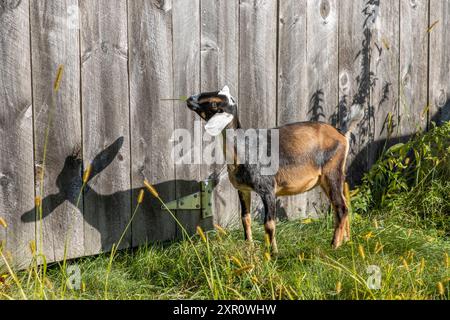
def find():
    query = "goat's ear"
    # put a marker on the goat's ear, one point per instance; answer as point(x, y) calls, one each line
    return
point(218, 123)
point(225, 91)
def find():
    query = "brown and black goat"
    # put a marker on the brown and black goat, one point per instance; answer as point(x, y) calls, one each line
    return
point(310, 154)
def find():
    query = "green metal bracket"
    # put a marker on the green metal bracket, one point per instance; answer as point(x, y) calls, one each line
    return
point(202, 200)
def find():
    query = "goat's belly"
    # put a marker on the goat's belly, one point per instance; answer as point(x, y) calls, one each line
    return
point(292, 182)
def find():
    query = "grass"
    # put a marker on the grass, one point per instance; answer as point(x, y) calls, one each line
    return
point(412, 179)
point(413, 262)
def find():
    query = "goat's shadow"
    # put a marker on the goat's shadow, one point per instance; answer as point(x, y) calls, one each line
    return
point(108, 214)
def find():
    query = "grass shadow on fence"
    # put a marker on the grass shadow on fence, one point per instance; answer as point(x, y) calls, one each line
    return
point(441, 116)
point(69, 183)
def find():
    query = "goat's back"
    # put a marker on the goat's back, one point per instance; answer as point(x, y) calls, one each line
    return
point(307, 149)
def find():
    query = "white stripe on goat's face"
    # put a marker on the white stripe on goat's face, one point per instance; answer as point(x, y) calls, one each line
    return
point(226, 92)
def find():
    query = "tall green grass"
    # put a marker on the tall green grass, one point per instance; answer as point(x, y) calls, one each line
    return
point(411, 181)
point(413, 264)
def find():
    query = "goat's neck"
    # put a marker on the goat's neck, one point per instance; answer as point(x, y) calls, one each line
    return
point(231, 149)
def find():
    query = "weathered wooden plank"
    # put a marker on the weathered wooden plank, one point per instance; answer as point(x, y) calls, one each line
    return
point(152, 120)
point(258, 63)
point(439, 60)
point(413, 65)
point(322, 71)
point(292, 100)
point(54, 41)
point(355, 49)
point(106, 140)
point(16, 130)
point(292, 83)
point(385, 22)
point(186, 67)
point(258, 68)
point(322, 58)
point(220, 67)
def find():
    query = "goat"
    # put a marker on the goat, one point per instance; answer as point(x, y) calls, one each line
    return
point(310, 154)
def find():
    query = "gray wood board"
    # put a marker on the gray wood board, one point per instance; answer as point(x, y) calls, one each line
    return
point(152, 120)
point(106, 138)
point(292, 85)
point(439, 60)
point(258, 69)
point(413, 66)
point(186, 67)
point(322, 72)
point(220, 67)
point(16, 130)
point(384, 66)
point(54, 42)
point(356, 19)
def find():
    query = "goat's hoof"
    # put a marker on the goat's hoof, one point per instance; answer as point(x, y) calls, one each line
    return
point(272, 256)
point(335, 244)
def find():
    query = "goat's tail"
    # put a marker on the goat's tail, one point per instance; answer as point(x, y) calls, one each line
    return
point(354, 116)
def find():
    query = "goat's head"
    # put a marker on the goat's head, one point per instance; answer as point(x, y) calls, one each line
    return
point(218, 109)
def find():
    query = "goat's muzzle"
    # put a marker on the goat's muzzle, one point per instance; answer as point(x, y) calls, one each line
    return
point(192, 102)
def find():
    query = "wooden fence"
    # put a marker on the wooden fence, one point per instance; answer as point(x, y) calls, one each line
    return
point(285, 61)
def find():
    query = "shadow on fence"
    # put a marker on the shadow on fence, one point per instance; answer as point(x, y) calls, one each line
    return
point(69, 183)
point(379, 146)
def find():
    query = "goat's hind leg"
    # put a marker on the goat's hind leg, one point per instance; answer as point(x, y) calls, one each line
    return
point(245, 200)
point(334, 187)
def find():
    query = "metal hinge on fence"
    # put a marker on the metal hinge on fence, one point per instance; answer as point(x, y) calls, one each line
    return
point(202, 200)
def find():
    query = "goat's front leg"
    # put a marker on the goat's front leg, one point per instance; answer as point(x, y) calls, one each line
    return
point(245, 200)
point(269, 202)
